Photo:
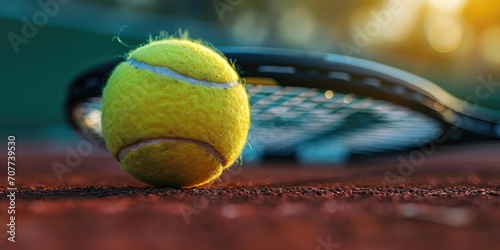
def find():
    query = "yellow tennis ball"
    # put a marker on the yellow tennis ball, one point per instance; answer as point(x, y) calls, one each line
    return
point(175, 113)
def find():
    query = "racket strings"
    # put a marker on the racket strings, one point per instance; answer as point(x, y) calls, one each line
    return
point(285, 119)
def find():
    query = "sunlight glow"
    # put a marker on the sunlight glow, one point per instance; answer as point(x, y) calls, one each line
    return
point(401, 24)
point(447, 5)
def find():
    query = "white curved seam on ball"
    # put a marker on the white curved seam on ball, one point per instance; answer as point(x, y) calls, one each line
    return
point(165, 71)
point(148, 142)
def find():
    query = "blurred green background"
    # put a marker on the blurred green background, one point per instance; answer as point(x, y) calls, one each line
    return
point(451, 42)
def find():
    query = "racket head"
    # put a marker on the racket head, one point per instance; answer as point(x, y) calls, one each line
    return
point(322, 107)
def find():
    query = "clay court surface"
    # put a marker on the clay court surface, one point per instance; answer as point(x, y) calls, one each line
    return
point(451, 201)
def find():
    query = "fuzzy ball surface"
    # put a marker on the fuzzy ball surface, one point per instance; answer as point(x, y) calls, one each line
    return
point(175, 113)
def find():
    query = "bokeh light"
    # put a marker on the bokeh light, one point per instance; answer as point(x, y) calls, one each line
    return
point(347, 99)
point(329, 94)
point(297, 25)
point(445, 34)
point(250, 27)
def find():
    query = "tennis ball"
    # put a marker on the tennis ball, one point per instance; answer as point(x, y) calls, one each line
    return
point(175, 113)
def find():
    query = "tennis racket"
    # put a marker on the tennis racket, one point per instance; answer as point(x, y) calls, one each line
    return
point(320, 107)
